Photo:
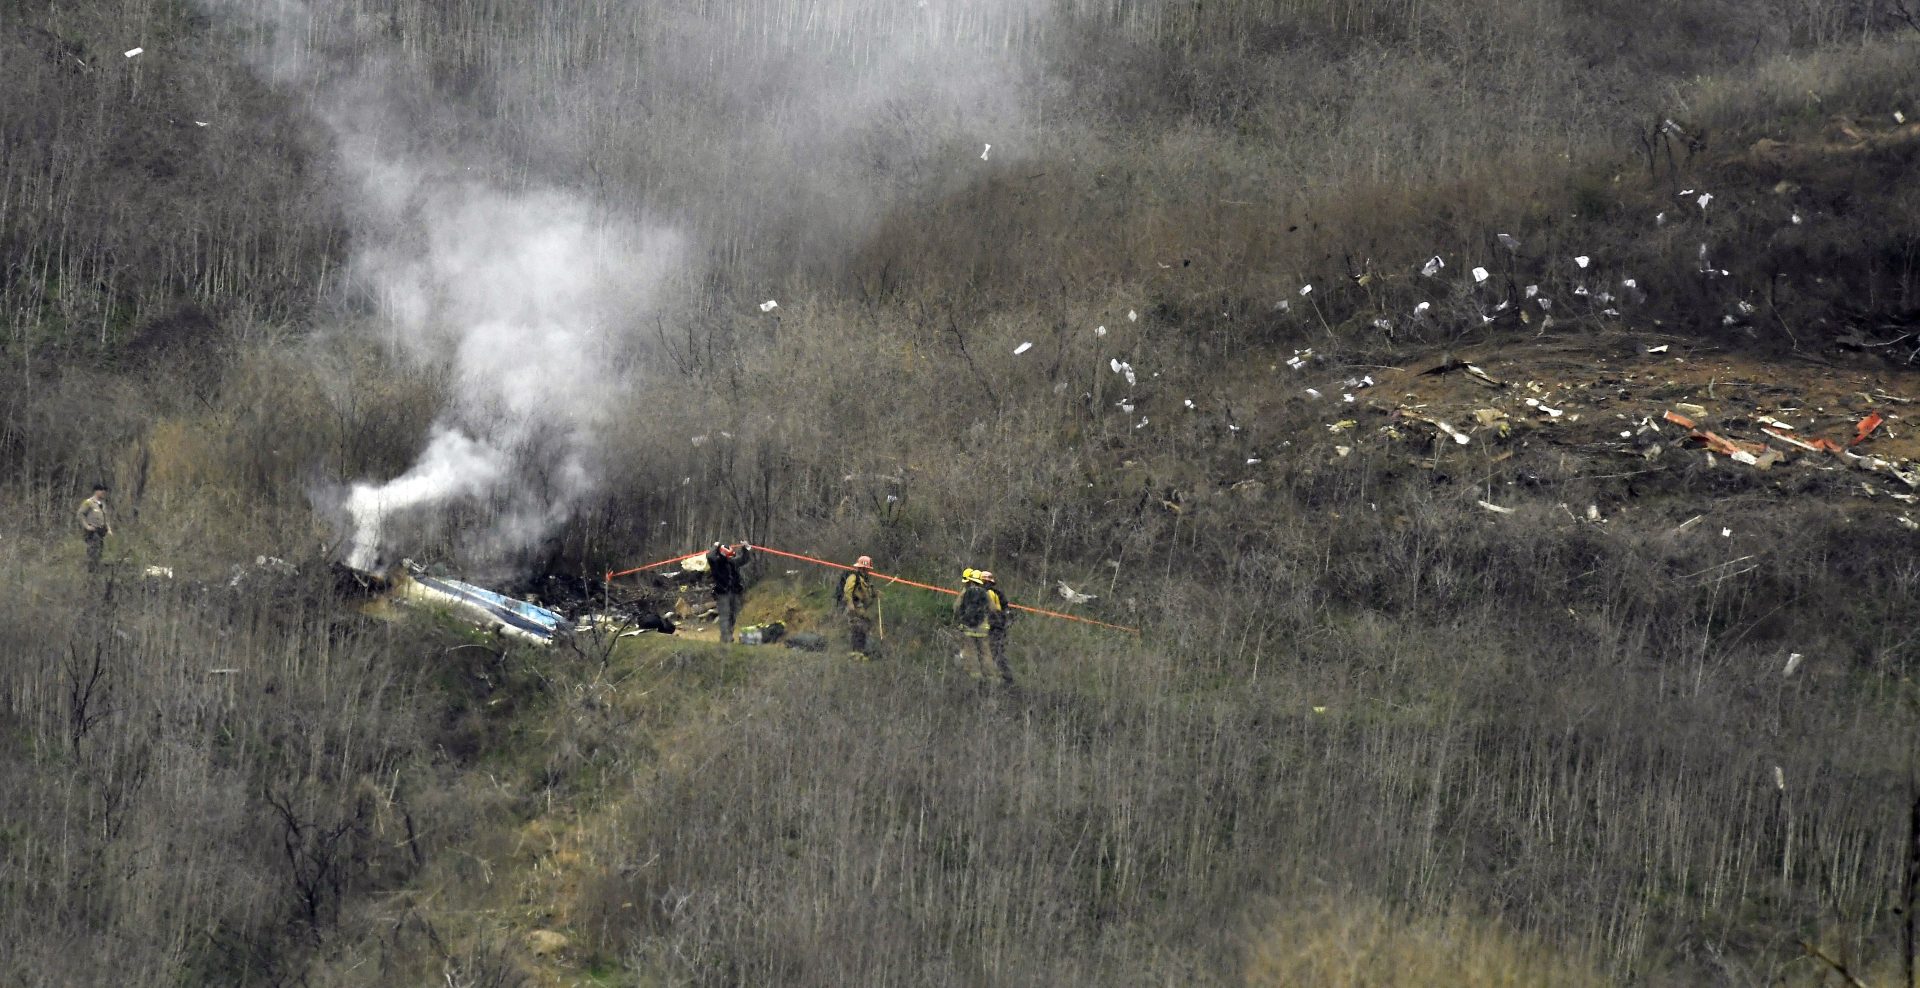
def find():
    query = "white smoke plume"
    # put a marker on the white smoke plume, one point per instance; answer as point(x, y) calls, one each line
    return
point(791, 133)
point(524, 298)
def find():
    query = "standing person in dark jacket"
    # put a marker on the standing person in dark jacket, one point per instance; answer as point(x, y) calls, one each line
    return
point(999, 615)
point(729, 589)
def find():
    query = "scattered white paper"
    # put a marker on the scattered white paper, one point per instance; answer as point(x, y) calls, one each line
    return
point(1479, 275)
point(1347, 398)
point(1189, 402)
point(1133, 316)
point(1143, 422)
point(1662, 348)
point(1251, 460)
point(1421, 309)
point(1793, 662)
point(1313, 392)
point(1705, 197)
point(134, 51)
point(1433, 266)
point(1726, 533)
point(1099, 330)
point(1629, 283)
point(1306, 289)
point(199, 123)
point(1583, 260)
point(769, 305)
point(1023, 348)
point(1533, 290)
point(988, 150)
point(1899, 117)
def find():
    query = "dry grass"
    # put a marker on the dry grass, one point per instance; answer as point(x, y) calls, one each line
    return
point(1547, 750)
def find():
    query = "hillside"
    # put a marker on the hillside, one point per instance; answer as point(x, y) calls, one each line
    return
point(1498, 418)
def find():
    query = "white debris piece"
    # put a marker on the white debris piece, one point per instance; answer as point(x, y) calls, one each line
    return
point(1189, 402)
point(1496, 509)
point(1074, 596)
point(1629, 283)
point(1479, 275)
point(769, 305)
point(1662, 348)
point(1660, 218)
point(1421, 309)
point(699, 440)
point(1593, 512)
point(1793, 662)
point(1458, 436)
point(1533, 290)
point(1143, 422)
point(1133, 316)
point(1313, 392)
point(1282, 305)
point(986, 151)
point(1745, 307)
point(1383, 324)
point(1899, 117)
point(1349, 399)
point(199, 123)
point(1251, 460)
point(1306, 290)
point(1507, 240)
point(134, 51)
point(1796, 219)
point(1099, 330)
point(1583, 260)
point(1023, 348)
point(1726, 533)
point(1779, 779)
point(1705, 197)
point(1433, 266)
point(1125, 406)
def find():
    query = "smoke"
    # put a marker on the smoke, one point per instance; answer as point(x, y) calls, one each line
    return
point(525, 300)
point(786, 131)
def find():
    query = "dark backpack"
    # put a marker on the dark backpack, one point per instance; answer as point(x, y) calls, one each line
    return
point(840, 588)
point(972, 610)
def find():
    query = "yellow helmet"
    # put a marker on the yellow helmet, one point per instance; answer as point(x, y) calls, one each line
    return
point(969, 575)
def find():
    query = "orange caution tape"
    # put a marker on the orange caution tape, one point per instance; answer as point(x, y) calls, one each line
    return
point(949, 592)
point(611, 576)
point(891, 579)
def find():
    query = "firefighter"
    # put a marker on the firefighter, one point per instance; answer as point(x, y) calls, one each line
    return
point(999, 615)
point(862, 601)
point(95, 525)
point(729, 588)
point(970, 613)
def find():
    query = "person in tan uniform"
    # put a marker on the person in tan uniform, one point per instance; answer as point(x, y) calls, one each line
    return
point(95, 525)
point(862, 602)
